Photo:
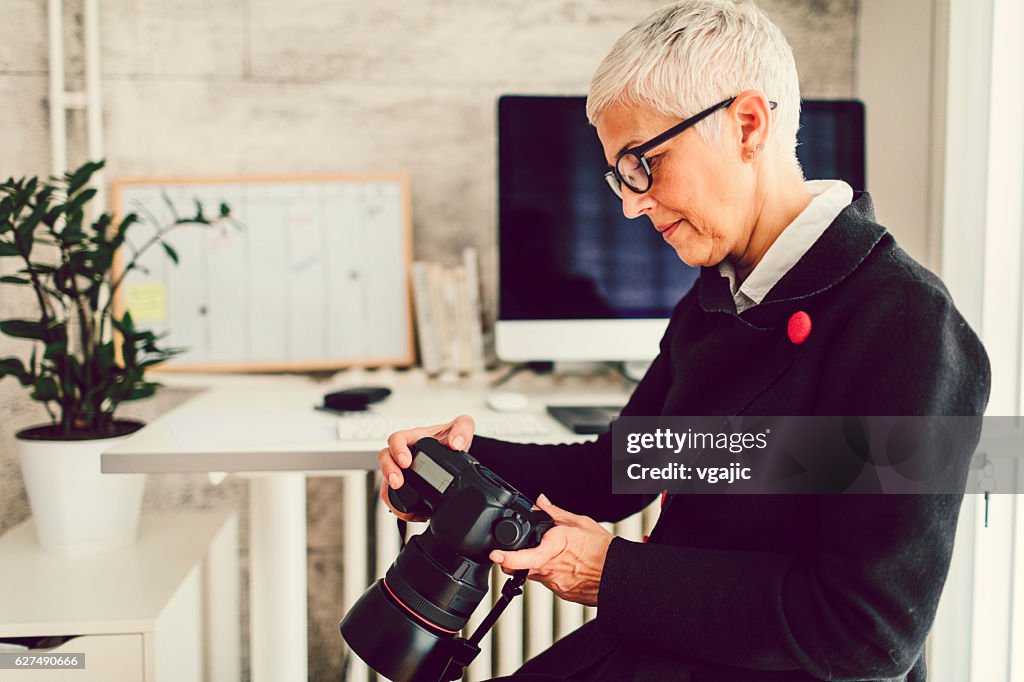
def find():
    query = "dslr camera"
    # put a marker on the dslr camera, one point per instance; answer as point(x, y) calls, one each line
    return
point(406, 625)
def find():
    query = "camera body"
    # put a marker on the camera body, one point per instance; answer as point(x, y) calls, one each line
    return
point(406, 625)
point(472, 509)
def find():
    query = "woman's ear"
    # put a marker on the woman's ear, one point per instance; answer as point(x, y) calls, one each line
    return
point(753, 114)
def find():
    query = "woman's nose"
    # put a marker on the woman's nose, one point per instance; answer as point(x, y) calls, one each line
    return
point(635, 205)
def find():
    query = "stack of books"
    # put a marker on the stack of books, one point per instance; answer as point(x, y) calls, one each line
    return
point(448, 315)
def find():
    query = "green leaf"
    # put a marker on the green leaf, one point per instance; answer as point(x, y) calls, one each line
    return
point(6, 209)
point(25, 191)
point(53, 215)
point(105, 358)
point(101, 226)
point(170, 207)
point(79, 201)
point(8, 249)
point(12, 279)
point(80, 178)
point(149, 362)
point(25, 232)
point(170, 251)
point(121, 327)
point(40, 268)
point(56, 350)
point(144, 391)
point(64, 277)
point(122, 229)
point(14, 367)
point(25, 329)
point(225, 210)
point(72, 232)
point(45, 389)
point(76, 370)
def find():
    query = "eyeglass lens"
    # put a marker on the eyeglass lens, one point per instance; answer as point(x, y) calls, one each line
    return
point(633, 172)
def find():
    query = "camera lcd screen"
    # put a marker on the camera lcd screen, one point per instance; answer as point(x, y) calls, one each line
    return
point(431, 472)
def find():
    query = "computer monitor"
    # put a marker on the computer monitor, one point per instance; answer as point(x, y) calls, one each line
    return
point(577, 280)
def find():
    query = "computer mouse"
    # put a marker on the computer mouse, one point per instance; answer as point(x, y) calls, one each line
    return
point(355, 399)
point(507, 401)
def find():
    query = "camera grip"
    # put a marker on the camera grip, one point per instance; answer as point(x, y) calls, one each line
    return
point(542, 522)
point(408, 501)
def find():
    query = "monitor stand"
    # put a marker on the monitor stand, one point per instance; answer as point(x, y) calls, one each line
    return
point(585, 419)
point(632, 370)
point(535, 367)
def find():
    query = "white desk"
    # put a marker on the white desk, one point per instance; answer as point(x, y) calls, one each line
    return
point(257, 425)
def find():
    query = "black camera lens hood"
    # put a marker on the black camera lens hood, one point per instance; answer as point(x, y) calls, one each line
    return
point(398, 646)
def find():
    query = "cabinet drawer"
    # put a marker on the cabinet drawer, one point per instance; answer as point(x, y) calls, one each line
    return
point(107, 658)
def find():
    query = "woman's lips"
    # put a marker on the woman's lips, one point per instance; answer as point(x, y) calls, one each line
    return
point(667, 231)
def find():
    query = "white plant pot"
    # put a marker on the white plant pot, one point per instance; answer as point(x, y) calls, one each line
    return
point(77, 509)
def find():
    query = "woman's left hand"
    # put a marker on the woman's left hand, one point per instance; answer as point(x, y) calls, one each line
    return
point(569, 559)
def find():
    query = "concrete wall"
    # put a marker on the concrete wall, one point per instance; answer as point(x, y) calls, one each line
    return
point(193, 87)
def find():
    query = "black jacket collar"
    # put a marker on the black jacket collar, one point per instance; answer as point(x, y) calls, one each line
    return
point(837, 253)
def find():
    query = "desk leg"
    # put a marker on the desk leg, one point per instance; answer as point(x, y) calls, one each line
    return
point(277, 578)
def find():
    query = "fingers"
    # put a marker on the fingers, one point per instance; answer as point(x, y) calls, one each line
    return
point(402, 515)
point(390, 469)
point(397, 455)
point(551, 545)
point(557, 514)
point(459, 434)
point(399, 442)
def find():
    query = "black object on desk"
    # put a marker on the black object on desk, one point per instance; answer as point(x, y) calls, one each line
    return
point(585, 419)
point(354, 399)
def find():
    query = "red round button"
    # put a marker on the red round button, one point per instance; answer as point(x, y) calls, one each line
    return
point(799, 327)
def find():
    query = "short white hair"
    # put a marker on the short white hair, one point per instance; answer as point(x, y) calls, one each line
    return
point(692, 54)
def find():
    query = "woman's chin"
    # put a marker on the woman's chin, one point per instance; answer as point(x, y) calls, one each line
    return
point(690, 257)
point(690, 247)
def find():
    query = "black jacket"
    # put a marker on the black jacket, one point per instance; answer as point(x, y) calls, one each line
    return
point(777, 587)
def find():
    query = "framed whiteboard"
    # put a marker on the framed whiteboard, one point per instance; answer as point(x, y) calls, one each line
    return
point(315, 276)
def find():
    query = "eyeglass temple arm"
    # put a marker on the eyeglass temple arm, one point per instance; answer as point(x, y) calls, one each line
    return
point(692, 121)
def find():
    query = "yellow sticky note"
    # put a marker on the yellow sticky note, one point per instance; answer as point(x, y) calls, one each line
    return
point(147, 302)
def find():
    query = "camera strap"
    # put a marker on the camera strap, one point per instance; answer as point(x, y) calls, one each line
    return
point(467, 649)
point(402, 525)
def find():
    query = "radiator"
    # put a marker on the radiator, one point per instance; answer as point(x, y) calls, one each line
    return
point(530, 624)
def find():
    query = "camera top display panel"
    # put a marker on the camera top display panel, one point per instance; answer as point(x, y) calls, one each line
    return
point(432, 472)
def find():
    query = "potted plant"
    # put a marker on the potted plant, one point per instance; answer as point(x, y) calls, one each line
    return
point(86, 359)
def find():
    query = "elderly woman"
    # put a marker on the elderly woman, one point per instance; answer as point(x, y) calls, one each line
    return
point(804, 306)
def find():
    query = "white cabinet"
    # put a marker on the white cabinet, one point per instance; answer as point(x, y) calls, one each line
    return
point(107, 657)
point(164, 610)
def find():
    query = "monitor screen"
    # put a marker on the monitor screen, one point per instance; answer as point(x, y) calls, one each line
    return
point(566, 250)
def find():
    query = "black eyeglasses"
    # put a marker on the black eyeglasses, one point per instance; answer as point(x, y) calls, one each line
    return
point(631, 167)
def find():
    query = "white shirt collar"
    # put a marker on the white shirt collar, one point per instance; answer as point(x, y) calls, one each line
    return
point(829, 198)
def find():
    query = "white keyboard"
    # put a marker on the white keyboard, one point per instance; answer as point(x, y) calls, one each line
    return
point(357, 426)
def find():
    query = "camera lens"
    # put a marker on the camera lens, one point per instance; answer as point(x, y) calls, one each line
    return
point(436, 584)
point(381, 632)
point(404, 626)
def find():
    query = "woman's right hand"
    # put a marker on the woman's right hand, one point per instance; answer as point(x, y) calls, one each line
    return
point(456, 434)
